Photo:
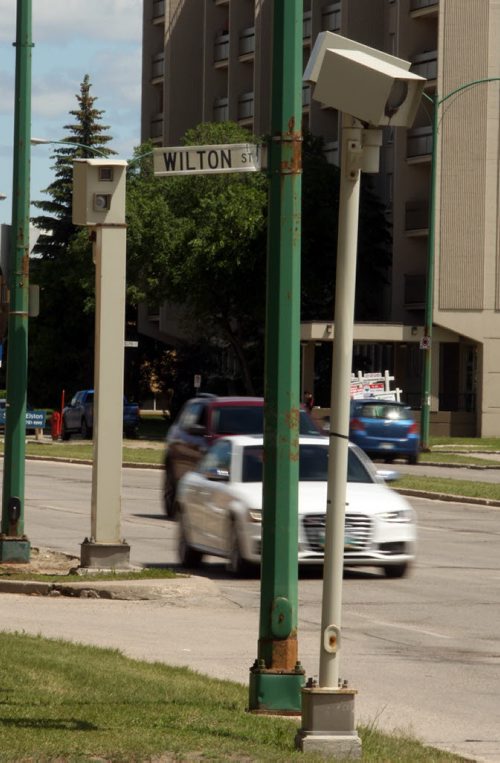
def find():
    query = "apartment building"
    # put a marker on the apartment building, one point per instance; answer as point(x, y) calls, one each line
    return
point(210, 60)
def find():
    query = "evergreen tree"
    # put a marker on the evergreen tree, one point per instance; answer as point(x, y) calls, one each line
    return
point(89, 139)
point(62, 337)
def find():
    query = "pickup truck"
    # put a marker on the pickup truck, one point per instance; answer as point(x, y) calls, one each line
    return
point(78, 416)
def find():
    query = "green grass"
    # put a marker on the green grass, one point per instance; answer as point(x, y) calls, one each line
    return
point(439, 457)
point(469, 443)
point(74, 703)
point(82, 451)
point(485, 490)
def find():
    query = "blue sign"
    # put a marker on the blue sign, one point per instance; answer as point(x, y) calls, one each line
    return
point(34, 419)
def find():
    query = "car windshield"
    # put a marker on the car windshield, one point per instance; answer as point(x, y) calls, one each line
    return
point(382, 411)
point(247, 419)
point(313, 464)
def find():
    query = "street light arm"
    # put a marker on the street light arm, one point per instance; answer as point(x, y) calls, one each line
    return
point(138, 158)
point(42, 141)
point(466, 87)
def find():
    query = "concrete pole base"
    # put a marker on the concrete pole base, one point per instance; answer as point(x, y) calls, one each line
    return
point(15, 550)
point(330, 745)
point(328, 723)
point(109, 556)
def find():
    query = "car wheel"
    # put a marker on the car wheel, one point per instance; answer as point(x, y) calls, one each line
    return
point(236, 564)
point(188, 556)
point(413, 459)
point(86, 430)
point(396, 570)
point(169, 493)
point(65, 435)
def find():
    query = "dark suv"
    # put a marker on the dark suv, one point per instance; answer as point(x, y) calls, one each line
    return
point(200, 422)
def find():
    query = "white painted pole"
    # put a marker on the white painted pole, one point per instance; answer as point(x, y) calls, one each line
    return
point(110, 260)
point(350, 176)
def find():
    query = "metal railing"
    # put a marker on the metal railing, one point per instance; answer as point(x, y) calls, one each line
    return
point(221, 110)
point(416, 215)
point(419, 142)
point(247, 41)
point(330, 18)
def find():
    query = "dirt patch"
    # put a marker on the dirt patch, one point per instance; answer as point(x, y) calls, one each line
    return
point(42, 561)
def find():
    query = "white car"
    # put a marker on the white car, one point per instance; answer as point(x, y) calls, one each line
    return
point(220, 509)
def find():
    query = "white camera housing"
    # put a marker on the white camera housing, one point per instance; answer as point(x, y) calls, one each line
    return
point(99, 192)
point(366, 83)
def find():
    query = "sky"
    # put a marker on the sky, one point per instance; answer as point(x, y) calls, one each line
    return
point(101, 38)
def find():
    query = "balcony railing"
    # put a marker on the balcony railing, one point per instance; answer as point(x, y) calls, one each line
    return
point(221, 48)
point(306, 96)
point(158, 9)
point(247, 41)
point(417, 5)
point(330, 18)
point(424, 8)
point(331, 151)
point(245, 106)
point(419, 142)
point(425, 65)
point(414, 291)
point(221, 110)
point(157, 126)
point(416, 216)
point(307, 26)
point(158, 66)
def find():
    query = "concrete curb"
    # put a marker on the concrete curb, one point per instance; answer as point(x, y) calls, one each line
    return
point(180, 591)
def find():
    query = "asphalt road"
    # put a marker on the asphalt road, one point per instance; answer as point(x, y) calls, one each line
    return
point(422, 652)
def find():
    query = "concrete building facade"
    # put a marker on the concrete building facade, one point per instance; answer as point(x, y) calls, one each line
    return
point(210, 60)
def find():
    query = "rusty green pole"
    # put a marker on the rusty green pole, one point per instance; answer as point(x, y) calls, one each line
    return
point(276, 677)
point(14, 546)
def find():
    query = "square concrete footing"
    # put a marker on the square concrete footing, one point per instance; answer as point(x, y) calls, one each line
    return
point(328, 723)
point(15, 550)
point(110, 556)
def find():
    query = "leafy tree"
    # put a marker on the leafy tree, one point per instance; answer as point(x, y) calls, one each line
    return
point(200, 242)
point(62, 337)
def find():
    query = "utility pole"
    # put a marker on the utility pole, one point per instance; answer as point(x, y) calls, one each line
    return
point(14, 546)
point(276, 677)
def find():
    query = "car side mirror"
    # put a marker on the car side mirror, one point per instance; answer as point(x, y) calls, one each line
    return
point(197, 429)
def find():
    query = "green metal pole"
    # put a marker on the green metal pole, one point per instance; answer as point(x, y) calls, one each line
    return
point(277, 677)
point(14, 545)
point(429, 289)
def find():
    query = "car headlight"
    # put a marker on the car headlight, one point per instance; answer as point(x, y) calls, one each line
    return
point(255, 515)
point(398, 515)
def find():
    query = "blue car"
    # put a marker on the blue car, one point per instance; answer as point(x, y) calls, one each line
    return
point(384, 429)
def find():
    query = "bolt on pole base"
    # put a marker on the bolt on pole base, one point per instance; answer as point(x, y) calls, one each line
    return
point(328, 723)
point(105, 555)
point(275, 692)
point(16, 550)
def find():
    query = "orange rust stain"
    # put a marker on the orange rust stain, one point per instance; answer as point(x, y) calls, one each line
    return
point(284, 654)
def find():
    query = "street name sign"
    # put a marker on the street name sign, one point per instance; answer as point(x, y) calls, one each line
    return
point(34, 419)
point(201, 160)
